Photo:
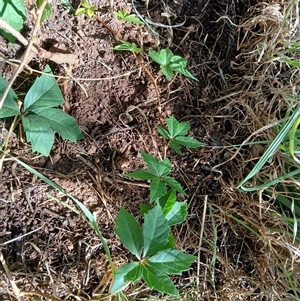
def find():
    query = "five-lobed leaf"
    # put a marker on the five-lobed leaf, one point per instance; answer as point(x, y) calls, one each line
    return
point(155, 231)
point(41, 121)
point(170, 63)
point(176, 135)
point(129, 232)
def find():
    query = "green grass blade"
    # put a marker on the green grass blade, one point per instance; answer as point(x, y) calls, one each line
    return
point(271, 149)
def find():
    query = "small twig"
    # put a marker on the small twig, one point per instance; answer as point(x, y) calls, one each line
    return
point(115, 33)
point(26, 54)
point(154, 80)
point(8, 275)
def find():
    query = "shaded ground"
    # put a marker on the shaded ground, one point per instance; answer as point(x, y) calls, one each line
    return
point(62, 257)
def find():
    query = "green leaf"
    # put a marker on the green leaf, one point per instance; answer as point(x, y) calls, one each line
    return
point(174, 184)
point(169, 63)
point(46, 12)
point(172, 261)
point(10, 106)
point(167, 201)
point(163, 132)
point(123, 15)
point(157, 189)
point(63, 124)
point(144, 209)
point(80, 11)
point(13, 12)
point(155, 231)
point(133, 19)
point(177, 128)
point(127, 46)
point(44, 93)
point(167, 71)
point(189, 142)
point(142, 174)
point(177, 214)
point(162, 58)
point(129, 232)
point(154, 278)
point(119, 281)
point(175, 145)
point(178, 64)
point(39, 133)
point(158, 167)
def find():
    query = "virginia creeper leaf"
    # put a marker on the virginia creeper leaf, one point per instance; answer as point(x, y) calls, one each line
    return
point(13, 12)
point(167, 201)
point(129, 232)
point(155, 231)
point(172, 261)
point(141, 174)
point(173, 184)
point(44, 93)
point(62, 123)
point(39, 133)
point(158, 280)
point(189, 142)
point(157, 189)
point(177, 214)
point(119, 281)
point(10, 106)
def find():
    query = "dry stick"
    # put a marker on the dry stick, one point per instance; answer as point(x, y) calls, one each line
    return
point(8, 275)
point(154, 80)
point(27, 52)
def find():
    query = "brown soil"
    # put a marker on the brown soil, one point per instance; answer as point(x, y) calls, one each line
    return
point(62, 256)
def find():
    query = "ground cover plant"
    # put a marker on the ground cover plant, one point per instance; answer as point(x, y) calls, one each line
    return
point(84, 222)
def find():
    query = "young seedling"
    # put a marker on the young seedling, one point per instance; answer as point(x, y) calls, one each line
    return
point(176, 134)
point(86, 8)
point(158, 174)
point(40, 117)
point(123, 15)
point(150, 245)
point(170, 63)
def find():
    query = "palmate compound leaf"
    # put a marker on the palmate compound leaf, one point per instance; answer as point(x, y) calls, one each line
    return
point(129, 232)
point(43, 94)
point(157, 279)
point(172, 261)
point(177, 128)
point(155, 231)
point(157, 166)
point(10, 106)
